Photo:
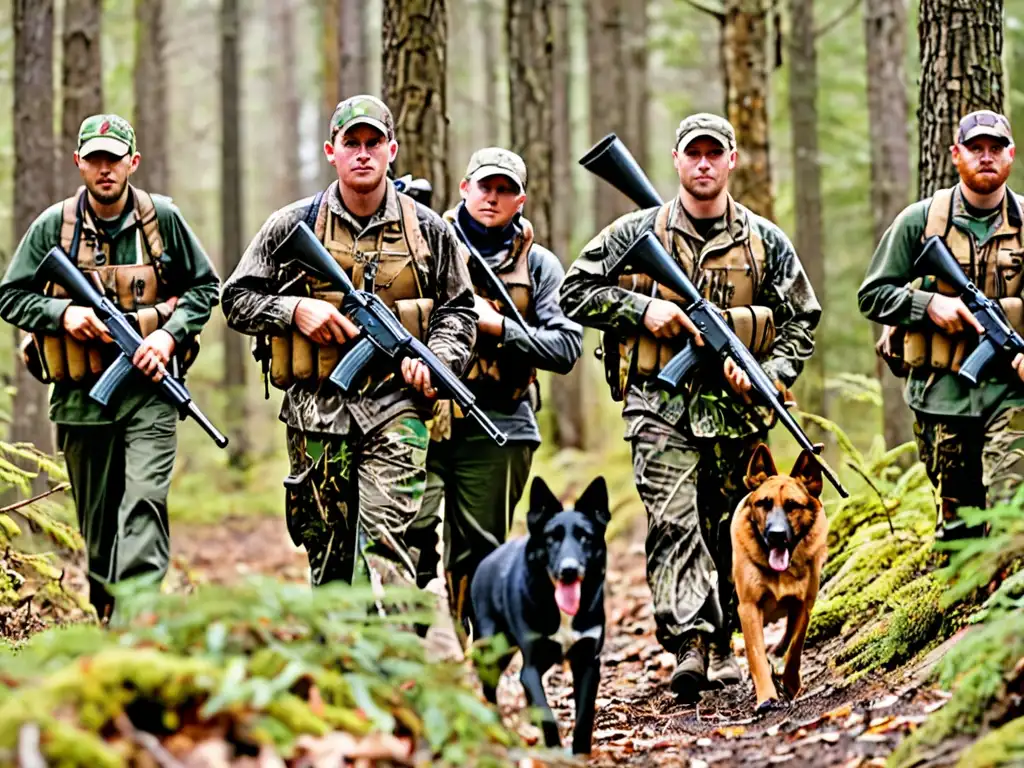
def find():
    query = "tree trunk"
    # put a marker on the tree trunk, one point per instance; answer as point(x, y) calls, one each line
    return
point(607, 80)
point(82, 81)
point(491, 46)
point(354, 70)
point(151, 119)
point(961, 44)
point(35, 181)
point(747, 71)
point(803, 109)
point(885, 28)
point(569, 396)
point(288, 97)
point(231, 223)
point(415, 39)
point(637, 92)
point(330, 75)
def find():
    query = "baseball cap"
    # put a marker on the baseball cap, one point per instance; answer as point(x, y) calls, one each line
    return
point(368, 110)
point(495, 161)
point(984, 122)
point(706, 124)
point(106, 133)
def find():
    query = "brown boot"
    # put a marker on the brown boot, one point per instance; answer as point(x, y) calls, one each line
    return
point(689, 677)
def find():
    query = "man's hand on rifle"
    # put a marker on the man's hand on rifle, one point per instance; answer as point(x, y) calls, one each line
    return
point(1018, 365)
point(154, 353)
point(417, 376)
point(489, 319)
point(322, 323)
point(738, 379)
point(951, 315)
point(666, 320)
point(82, 324)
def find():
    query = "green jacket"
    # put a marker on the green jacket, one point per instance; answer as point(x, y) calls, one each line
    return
point(887, 297)
point(591, 296)
point(189, 272)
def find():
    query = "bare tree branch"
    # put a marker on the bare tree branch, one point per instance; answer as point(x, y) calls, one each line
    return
point(718, 13)
point(830, 25)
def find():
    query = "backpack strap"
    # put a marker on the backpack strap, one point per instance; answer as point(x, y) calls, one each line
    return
point(146, 218)
point(313, 210)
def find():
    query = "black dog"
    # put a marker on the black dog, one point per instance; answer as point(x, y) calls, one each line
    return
point(545, 592)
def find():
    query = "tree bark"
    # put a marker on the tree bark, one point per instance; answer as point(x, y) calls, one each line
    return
point(569, 396)
point(330, 75)
point(885, 29)
point(607, 80)
point(637, 92)
point(491, 46)
point(354, 70)
point(415, 39)
point(82, 79)
point(747, 71)
point(961, 44)
point(34, 178)
point(151, 118)
point(231, 222)
point(803, 110)
point(288, 97)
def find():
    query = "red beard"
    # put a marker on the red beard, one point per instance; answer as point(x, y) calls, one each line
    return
point(985, 183)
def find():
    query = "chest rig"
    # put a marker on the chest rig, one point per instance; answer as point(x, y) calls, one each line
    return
point(728, 274)
point(512, 379)
point(390, 259)
point(995, 267)
point(139, 290)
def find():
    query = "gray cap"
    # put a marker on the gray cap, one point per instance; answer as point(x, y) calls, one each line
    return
point(984, 122)
point(706, 124)
point(495, 161)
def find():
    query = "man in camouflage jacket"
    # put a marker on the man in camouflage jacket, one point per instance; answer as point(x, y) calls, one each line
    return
point(970, 438)
point(358, 459)
point(691, 449)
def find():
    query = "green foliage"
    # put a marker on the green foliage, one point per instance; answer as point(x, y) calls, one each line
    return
point(277, 660)
point(987, 664)
point(23, 570)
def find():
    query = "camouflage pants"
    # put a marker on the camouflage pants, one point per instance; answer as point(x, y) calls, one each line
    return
point(690, 488)
point(379, 476)
point(971, 462)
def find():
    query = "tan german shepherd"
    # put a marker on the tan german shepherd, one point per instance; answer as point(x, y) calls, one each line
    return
point(779, 545)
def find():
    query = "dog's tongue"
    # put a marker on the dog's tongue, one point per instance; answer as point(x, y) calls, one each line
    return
point(568, 597)
point(778, 558)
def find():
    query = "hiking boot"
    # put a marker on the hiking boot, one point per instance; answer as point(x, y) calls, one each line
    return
point(690, 674)
point(723, 669)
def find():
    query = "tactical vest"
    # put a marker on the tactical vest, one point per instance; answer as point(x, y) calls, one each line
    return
point(487, 365)
point(730, 278)
point(139, 290)
point(396, 250)
point(996, 268)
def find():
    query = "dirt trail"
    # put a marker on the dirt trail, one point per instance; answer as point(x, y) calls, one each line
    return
point(638, 720)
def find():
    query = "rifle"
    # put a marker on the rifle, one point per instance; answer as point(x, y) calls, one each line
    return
point(57, 268)
point(610, 160)
point(382, 333)
point(999, 337)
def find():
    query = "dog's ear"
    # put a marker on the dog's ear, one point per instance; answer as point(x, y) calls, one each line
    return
point(543, 505)
point(593, 502)
point(808, 471)
point(760, 468)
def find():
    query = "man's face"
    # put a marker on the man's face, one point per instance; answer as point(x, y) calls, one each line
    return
point(492, 200)
point(703, 167)
point(361, 156)
point(106, 175)
point(983, 163)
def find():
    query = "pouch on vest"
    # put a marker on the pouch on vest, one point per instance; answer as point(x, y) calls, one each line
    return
point(937, 351)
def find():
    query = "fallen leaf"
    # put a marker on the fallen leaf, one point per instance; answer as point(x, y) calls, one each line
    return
point(730, 732)
point(884, 702)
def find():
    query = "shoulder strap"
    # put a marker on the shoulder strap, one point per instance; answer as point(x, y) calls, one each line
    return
point(313, 210)
point(940, 214)
point(661, 225)
point(411, 226)
point(145, 215)
point(72, 212)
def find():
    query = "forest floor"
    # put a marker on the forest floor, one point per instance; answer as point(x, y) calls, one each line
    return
point(638, 720)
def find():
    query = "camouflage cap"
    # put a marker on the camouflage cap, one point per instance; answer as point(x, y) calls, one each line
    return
point(984, 122)
point(368, 110)
point(495, 161)
point(706, 124)
point(106, 133)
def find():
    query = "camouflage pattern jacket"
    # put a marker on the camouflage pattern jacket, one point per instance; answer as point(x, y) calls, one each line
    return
point(253, 305)
point(591, 296)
